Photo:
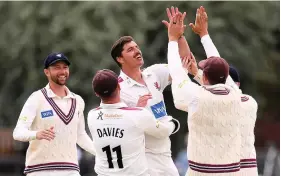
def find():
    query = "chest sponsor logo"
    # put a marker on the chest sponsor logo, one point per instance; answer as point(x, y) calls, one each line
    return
point(116, 116)
point(48, 113)
point(159, 110)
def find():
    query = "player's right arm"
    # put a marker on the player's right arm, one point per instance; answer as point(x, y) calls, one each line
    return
point(22, 130)
point(185, 92)
point(159, 129)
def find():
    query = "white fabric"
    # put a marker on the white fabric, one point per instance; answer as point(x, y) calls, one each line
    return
point(156, 78)
point(213, 120)
point(248, 151)
point(161, 165)
point(63, 147)
point(211, 50)
point(118, 128)
point(249, 115)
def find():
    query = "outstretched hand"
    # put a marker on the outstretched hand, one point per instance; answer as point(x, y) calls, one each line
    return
point(201, 22)
point(172, 16)
point(176, 27)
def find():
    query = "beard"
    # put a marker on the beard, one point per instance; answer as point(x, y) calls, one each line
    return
point(58, 80)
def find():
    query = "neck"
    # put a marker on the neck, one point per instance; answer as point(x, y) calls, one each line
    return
point(59, 90)
point(133, 73)
point(112, 100)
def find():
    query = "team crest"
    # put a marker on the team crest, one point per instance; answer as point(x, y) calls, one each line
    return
point(157, 86)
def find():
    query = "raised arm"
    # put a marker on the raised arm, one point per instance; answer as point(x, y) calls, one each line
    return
point(184, 49)
point(185, 92)
point(201, 28)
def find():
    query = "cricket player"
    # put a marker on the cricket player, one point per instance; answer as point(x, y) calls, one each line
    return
point(144, 88)
point(118, 130)
point(213, 112)
point(248, 164)
point(52, 121)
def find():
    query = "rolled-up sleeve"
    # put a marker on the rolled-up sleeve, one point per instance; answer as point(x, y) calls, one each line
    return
point(185, 92)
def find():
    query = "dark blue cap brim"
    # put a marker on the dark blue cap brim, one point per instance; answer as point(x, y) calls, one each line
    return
point(63, 60)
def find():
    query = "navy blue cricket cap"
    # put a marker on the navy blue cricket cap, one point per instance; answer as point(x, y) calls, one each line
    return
point(55, 57)
point(233, 73)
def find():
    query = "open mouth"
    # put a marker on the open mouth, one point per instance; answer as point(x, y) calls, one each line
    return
point(62, 78)
point(139, 56)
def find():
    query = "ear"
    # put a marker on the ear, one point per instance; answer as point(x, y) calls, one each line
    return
point(118, 87)
point(120, 60)
point(205, 80)
point(47, 72)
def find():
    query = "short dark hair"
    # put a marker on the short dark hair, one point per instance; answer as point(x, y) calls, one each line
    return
point(117, 48)
point(105, 83)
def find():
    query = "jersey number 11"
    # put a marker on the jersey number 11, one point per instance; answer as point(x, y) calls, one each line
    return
point(117, 149)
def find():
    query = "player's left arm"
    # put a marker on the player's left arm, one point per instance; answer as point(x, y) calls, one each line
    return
point(157, 128)
point(201, 28)
point(83, 140)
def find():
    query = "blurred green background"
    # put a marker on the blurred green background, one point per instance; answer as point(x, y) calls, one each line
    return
point(247, 35)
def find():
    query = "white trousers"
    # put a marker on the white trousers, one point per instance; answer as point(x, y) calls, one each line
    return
point(160, 165)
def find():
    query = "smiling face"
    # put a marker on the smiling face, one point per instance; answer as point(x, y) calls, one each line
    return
point(131, 56)
point(57, 73)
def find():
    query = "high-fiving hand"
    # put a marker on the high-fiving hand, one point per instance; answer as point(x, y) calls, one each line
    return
point(170, 14)
point(176, 26)
point(201, 22)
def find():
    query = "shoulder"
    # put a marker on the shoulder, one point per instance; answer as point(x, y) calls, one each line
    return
point(132, 109)
point(78, 98)
point(79, 101)
point(137, 111)
point(248, 99)
point(94, 111)
point(156, 67)
point(36, 95)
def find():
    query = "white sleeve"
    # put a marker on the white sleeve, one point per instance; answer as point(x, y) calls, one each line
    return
point(209, 47)
point(211, 50)
point(198, 77)
point(83, 140)
point(162, 73)
point(185, 92)
point(159, 129)
point(22, 130)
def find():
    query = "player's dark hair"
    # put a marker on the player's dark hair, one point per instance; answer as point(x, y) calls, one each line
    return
point(117, 48)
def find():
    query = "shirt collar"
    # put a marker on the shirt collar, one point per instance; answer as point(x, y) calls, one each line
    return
point(132, 82)
point(113, 106)
point(51, 94)
point(218, 86)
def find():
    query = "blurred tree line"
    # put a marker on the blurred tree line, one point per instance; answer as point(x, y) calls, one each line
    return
point(245, 33)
